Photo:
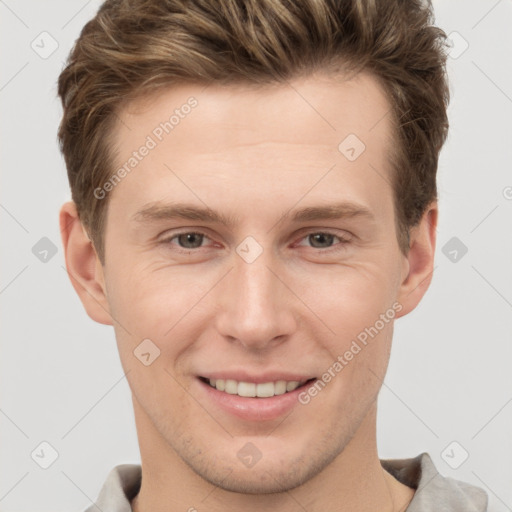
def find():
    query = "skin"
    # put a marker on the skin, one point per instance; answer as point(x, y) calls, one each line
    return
point(257, 154)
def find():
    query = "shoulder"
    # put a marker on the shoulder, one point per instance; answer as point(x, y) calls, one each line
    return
point(119, 488)
point(433, 491)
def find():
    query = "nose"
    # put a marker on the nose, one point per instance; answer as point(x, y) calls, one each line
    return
point(256, 309)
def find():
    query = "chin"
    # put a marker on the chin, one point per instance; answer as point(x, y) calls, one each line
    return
point(262, 480)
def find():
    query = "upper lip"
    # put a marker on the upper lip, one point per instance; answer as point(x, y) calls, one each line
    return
point(257, 378)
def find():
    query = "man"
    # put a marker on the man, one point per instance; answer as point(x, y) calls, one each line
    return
point(254, 205)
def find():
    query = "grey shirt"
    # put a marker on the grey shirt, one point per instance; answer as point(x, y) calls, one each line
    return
point(434, 492)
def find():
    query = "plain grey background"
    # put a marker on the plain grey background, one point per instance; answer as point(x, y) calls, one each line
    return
point(448, 390)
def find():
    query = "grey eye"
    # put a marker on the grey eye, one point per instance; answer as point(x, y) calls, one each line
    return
point(321, 238)
point(190, 240)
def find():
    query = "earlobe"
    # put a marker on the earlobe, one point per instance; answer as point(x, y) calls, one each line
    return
point(420, 261)
point(83, 265)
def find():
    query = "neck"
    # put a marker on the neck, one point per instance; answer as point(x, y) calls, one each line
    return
point(354, 481)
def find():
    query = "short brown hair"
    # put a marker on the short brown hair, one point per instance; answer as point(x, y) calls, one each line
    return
point(133, 48)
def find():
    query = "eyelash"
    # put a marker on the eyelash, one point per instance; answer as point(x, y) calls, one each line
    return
point(182, 250)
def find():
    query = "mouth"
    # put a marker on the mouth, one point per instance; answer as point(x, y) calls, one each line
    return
point(256, 390)
point(261, 401)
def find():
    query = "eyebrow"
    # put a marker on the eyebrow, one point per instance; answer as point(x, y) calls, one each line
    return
point(162, 211)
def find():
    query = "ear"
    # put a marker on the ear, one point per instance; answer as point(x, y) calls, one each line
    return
point(83, 265)
point(420, 261)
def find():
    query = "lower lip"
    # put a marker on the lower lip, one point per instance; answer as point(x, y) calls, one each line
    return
point(253, 408)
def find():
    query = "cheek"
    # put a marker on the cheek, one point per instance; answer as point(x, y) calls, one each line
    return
point(352, 298)
point(166, 307)
point(144, 298)
point(358, 307)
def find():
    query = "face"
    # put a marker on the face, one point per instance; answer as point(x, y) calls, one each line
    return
point(255, 243)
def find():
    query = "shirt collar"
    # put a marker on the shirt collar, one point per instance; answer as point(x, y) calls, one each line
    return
point(434, 492)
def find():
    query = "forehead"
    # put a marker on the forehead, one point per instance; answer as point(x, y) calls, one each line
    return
point(250, 139)
point(334, 103)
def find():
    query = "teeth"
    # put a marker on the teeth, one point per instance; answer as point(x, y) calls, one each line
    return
point(280, 387)
point(246, 389)
point(231, 387)
point(251, 389)
point(293, 384)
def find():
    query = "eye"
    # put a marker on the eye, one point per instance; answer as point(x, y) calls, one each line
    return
point(191, 240)
point(325, 240)
point(186, 240)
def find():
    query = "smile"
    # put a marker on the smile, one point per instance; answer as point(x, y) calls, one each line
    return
point(252, 389)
